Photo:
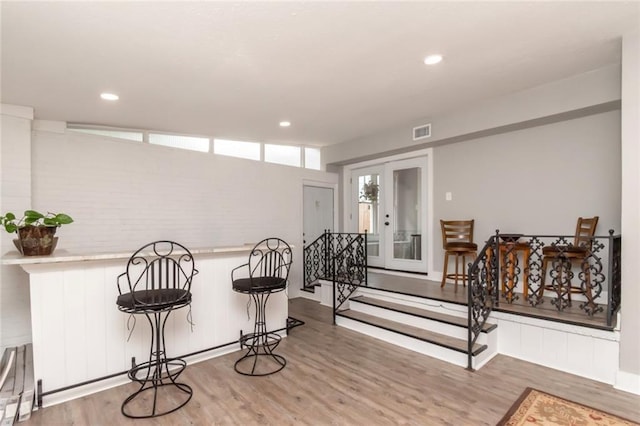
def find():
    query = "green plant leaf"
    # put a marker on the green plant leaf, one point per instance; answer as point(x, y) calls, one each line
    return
point(50, 221)
point(63, 219)
point(32, 215)
point(10, 227)
point(10, 216)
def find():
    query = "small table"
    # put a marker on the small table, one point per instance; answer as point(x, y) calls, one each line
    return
point(508, 249)
point(509, 254)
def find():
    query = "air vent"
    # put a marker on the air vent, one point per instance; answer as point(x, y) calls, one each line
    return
point(422, 132)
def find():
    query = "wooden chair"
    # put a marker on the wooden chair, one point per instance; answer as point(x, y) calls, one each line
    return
point(457, 240)
point(578, 251)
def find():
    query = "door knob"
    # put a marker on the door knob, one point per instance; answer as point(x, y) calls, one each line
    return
point(386, 223)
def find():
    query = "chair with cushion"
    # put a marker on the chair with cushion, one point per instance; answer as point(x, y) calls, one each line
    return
point(266, 272)
point(564, 256)
point(457, 241)
point(157, 281)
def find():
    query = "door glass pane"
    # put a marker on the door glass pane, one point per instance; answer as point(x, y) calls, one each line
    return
point(407, 234)
point(369, 211)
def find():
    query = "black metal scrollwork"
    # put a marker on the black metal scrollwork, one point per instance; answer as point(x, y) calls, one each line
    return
point(350, 267)
point(483, 291)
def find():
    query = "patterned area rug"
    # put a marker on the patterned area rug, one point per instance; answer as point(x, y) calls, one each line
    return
point(539, 408)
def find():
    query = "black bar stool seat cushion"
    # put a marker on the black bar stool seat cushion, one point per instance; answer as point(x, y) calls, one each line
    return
point(259, 284)
point(157, 299)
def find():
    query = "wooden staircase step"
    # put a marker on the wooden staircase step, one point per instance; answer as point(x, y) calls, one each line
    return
point(414, 332)
point(418, 312)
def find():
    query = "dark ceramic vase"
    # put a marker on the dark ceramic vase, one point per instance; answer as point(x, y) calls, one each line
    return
point(37, 240)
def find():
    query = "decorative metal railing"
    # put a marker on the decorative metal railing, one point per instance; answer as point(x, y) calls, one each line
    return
point(349, 268)
point(615, 276)
point(316, 260)
point(555, 266)
point(318, 255)
point(550, 266)
point(483, 278)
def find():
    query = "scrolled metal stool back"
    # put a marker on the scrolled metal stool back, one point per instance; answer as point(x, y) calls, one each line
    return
point(157, 281)
point(268, 272)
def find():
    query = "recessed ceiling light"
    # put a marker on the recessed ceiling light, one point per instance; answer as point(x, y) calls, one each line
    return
point(285, 124)
point(109, 96)
point(432, 59)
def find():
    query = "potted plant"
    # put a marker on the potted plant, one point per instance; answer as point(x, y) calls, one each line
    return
point(370, 191)
point(35, 231)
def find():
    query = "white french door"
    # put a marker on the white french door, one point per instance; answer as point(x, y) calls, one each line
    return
point(367, 197)
point(390, 205)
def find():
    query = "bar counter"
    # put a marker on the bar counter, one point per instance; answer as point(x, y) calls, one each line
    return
point(82, 342)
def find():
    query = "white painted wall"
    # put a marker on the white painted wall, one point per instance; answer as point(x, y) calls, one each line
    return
point(629, 374)
point(533, 181)
point(15, 173)
point(123, 194)
point(597, 87)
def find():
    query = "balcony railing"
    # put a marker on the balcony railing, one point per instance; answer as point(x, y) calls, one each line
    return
point(541, 269)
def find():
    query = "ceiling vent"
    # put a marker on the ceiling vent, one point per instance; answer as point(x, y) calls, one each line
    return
point(422, 132)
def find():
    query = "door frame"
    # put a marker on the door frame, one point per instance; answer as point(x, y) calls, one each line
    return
point(348, 204)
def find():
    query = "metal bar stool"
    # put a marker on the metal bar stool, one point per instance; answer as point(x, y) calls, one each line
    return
point(157, 281)
point(268, 269)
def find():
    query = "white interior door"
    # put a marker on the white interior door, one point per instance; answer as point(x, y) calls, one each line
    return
point(318, 214)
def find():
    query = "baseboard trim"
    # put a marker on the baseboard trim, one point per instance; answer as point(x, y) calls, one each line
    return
point(628, 382)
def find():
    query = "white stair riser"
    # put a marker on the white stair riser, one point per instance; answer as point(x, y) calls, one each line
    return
point(311, 296)
point(484, 357)
point(491, 351)
point(416, 302)
point(426, 324)
point(416, 345)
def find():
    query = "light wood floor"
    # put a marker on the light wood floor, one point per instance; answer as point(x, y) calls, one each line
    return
point(336, 376)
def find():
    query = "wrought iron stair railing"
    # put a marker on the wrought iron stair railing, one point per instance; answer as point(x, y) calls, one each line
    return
point(318, 256)
point(482, 279)
point(349, 268)
point(316, 265)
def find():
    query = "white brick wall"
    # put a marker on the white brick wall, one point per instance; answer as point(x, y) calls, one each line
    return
point(124, 194)
point(15, 196)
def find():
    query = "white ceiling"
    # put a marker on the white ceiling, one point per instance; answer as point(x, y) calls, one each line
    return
point(336, 70)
